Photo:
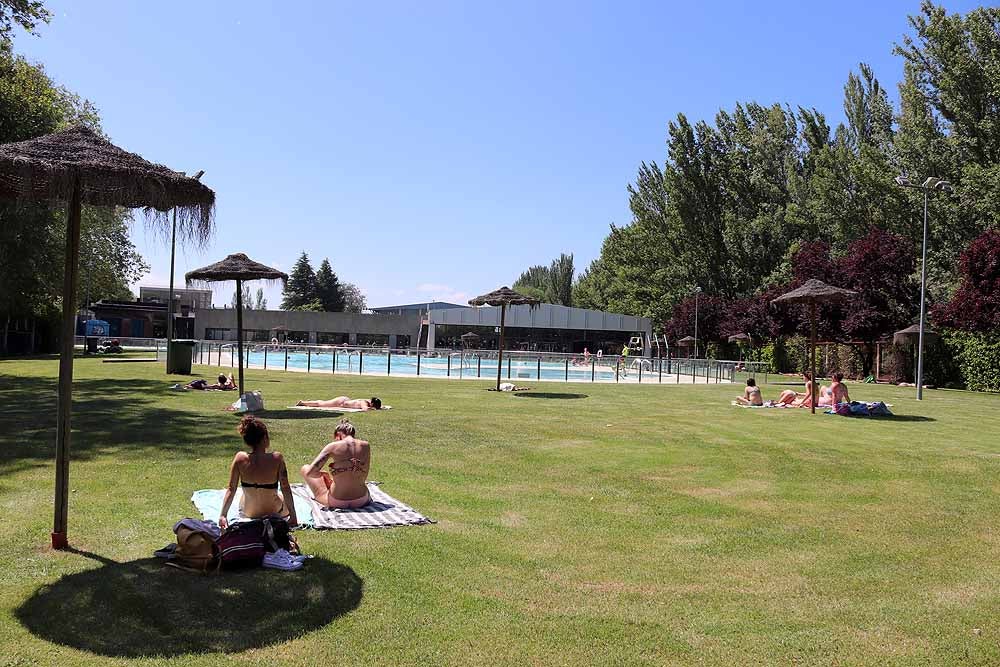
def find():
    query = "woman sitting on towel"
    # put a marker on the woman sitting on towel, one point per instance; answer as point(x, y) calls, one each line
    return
point(374, 403)
point(259, 473)
point(344, 486)
point(751, 395)
point(795, 399)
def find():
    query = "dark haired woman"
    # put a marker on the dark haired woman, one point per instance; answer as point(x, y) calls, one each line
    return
point(796, 399)
point(344, 486)
point(259, 473)
point(373, 403)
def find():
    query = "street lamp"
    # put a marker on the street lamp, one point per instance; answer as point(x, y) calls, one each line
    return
point(170, 289)
point(932, 183)
point(697, 291)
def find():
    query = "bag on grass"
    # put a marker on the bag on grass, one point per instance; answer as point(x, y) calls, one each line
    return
point(859, 409)
point(842, 408)
point(196, 550)
point(242, 544)
point(879, 409)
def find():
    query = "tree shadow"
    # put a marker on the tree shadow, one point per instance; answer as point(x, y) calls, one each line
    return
point(548, 394)
point(108, 415)
point(288, 413)
point(904, 418)
point(144, 608)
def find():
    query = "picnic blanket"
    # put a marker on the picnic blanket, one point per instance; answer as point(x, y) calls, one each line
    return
point(767, 404)
point(308, 407)
point(383, 511)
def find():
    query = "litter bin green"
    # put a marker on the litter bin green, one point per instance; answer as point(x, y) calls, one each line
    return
point(179, 356)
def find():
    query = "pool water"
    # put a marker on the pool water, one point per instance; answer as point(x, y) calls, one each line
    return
point(441, 365)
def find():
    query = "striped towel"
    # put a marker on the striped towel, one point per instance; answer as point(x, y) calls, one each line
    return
point(383, 511)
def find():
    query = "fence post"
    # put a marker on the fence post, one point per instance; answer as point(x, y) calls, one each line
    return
point(333, 368)
point(449, 366)
point(508, 367)
point(538, 373)
point(593, 369)
point(567, 370)
point(361, 361)
point(479, 365)
point(640, 371)
point(388, 362)
point(232, 356)
point(617, 364)
point(418, 364)
point(247, 364)
point(660, 369)
point(286, 356)
point(309, 359)
point(265, 357)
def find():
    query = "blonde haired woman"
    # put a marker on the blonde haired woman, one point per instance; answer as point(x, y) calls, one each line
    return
point(344, 486)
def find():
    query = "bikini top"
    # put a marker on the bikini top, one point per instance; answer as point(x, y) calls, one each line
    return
point(354, 465)
point(251, 485)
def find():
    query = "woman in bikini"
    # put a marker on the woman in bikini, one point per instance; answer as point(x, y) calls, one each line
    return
point(795, 399)
point(373, 403)
point(344, 486)
point(259, 473)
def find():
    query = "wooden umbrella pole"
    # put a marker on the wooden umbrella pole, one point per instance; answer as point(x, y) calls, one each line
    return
point(813, 397)
point(239, 327)
point(503, 321)
point(64, 410)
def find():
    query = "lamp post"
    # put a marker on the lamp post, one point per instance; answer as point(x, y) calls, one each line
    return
point(928, 185)
point(170, 289)
point(697, 291)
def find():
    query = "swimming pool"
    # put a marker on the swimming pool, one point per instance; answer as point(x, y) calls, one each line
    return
point(517, 366)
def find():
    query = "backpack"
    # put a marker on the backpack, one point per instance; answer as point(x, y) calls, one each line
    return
point(242, 544)
point(196, 550)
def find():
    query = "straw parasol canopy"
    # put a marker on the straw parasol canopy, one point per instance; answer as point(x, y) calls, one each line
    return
point(470, 339)
point(911, 335)
point(78, 166)
point(687, 341)
point(503, 297)
point(814, 292)
point(239, 268)
point(739, 338)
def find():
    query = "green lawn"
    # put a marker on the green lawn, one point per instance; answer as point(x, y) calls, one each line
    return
point(579, 524)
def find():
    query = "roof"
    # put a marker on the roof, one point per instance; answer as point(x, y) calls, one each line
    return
point(424, 305)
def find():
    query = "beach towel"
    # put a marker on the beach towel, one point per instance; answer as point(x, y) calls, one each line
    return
point(767, 404)
point(383, 512)
point(209, 503)
point(307, 407)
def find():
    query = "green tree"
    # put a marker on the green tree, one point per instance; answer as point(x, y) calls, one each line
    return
point(25, 13)
point(300, 289)
point(549, 284)
point(354, 298)
point(32, 237)
point(328, 290)
point(260, 303)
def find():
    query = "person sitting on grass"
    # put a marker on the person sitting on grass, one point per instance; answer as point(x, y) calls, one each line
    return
point(374, 403)
point(225, 383)
point(838, 390)
point(751, 395)
point(795, 399)
point(344, 486)
point(258, 473)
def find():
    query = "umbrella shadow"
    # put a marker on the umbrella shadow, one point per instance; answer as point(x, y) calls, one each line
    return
point(144, 608)
point(550, 394)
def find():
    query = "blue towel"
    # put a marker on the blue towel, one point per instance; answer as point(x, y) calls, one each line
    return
point(209, 503)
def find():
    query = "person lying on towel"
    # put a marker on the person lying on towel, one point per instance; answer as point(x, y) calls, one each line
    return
point(259, 473)
point(373, 403)
point(751, 395)
point(225, 383)
point(795, 399)
point(344, 486)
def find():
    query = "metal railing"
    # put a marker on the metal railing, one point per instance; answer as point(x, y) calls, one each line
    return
point(467, 364)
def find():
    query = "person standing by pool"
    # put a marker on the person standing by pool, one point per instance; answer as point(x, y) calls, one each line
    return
point(344, 487)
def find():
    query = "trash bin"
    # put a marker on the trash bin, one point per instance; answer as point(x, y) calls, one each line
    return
point(179, 356)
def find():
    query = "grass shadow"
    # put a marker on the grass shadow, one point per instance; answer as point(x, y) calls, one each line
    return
point(287, 413)
point(549, 394)
point(144, 608)
point(905, 418)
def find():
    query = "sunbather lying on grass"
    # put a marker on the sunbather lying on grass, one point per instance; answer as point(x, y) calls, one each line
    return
point(225, 383)
point(374, 403)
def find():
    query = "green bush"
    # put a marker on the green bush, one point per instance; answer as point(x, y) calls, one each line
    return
point(978, 357)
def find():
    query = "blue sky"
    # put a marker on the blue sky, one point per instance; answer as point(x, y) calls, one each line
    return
point(434, 150)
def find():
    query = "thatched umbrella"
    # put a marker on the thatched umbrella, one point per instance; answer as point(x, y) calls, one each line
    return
point(910, 336)
point(687, 342)
point(742, 338)
point(237, 267)
point(813, 292)
point(469, 339)
point(78, 166)
point(502, 297)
